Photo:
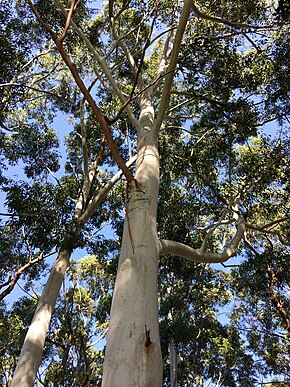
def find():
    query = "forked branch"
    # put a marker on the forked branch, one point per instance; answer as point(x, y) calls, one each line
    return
point(102, 62)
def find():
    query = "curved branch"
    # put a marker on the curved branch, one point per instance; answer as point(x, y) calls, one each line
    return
point(217, 19)
point(197, 255)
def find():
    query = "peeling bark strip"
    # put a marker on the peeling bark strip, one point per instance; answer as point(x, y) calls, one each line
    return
point(276, 302)
point(74, 71)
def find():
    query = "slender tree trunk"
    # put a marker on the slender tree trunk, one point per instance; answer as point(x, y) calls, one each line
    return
point(31, 353)
point(133, 355)
point(173, 364)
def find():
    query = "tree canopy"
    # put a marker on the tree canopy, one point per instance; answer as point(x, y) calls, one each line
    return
point(78, 83)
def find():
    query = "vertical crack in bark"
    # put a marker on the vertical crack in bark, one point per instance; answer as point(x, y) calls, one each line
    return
point(147, 337)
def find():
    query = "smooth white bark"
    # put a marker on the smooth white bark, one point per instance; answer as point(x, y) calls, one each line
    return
point(133, 355)
point(31, 353)
point(199, 255)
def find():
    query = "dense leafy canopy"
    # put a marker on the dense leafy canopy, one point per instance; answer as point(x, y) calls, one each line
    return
point(224, 144)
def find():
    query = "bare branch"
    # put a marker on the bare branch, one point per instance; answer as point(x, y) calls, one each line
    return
point(19, 272)
point(99, 116)
point(68, 21)
point(265, 229)
point(126, 35)
point(15, 84)
point(84, 142)
point(133, 98)
point(128, 54)
point(213, 228)
point(41, 21)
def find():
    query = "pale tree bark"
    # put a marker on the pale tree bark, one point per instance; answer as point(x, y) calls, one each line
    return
point(133, 354)
point(200, 255)
point(31, 353)
point(32, 349)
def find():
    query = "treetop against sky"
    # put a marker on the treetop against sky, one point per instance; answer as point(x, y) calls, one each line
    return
point(169, 106)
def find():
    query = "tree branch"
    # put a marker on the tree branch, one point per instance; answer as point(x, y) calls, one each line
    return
point(216, 19)
point(276, 302)
point(212, 228)
point(100, 195)
point(100, 118)
point(197, 255)
point(172, 65)
point(128, 54)
point(20, 271)
point(15, 84)
point(84, 141)
point(265, 229)
point(68, 20)
point(101, 60)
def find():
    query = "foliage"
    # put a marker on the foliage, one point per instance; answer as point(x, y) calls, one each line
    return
point(216, 153)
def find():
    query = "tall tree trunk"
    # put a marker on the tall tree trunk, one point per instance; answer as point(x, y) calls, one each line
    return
point(133, 355)
point(31, 353)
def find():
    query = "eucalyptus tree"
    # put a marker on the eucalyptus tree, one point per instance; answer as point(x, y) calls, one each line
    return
point(42, 216)
point(193, 82)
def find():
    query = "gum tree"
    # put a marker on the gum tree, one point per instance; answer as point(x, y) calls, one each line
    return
point(176, 79)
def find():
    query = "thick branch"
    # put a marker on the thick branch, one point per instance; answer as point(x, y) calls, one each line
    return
point(172, 65)
point(197, 255)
